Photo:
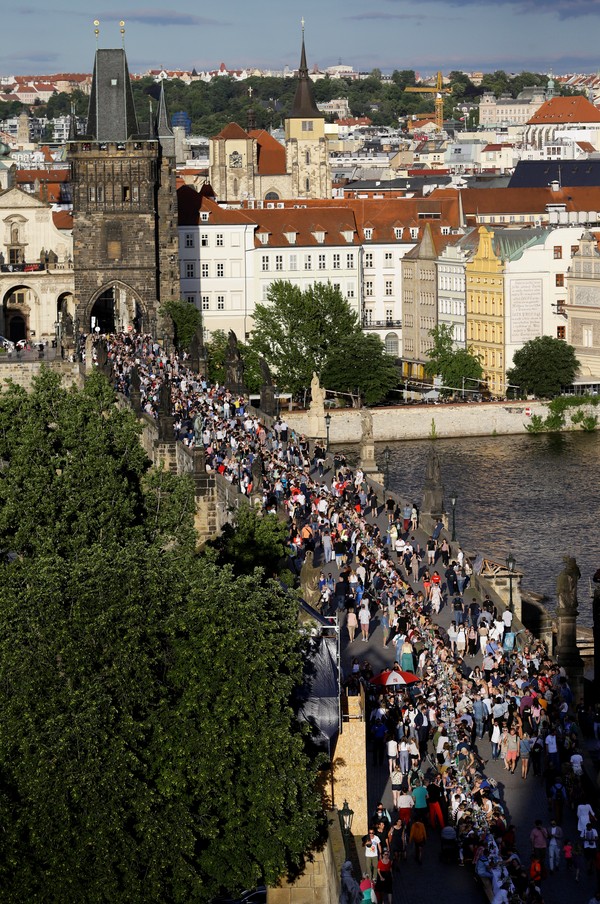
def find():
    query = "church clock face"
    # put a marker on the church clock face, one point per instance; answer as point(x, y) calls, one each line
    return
point(235, 159)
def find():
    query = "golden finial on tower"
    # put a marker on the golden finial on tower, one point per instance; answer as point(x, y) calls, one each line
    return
point(96, 30)
point(122, 30)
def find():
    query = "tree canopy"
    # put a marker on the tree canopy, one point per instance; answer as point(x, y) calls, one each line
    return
point(146, 709)
point(299, 332)
point(186, 320)
point(543, 367)
point(451, 363)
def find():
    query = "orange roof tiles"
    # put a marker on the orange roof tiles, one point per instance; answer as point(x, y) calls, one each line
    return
point(564, 110)
point(63, 219)
point(231, 131)
point(271, 154)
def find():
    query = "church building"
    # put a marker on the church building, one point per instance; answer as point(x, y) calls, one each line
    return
point(125, 244)
point(252, 166)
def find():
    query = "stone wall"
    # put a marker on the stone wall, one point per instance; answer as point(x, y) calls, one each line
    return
point(23, 372)
point(320, 880)
point(426, 421)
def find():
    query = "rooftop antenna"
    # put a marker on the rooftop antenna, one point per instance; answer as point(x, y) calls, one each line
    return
point(96, 30)
point(122, 30)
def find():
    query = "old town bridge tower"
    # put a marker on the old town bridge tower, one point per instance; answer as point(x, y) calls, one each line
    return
point(125, 247)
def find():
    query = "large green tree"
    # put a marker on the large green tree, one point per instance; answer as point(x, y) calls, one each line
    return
point(146, 731)
point(300, 332)
point(543, 366)
point(453, 364)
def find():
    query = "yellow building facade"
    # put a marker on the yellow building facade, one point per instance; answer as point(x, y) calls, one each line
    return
point(485, 311)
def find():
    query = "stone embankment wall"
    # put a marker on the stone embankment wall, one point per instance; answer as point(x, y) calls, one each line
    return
point(23, 372)
point(426, 421)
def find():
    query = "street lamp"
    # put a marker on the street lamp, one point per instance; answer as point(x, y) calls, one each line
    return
point(327, 426)
point(387, 454)
point(346, 815)
point(453, 499)
point(510, 564)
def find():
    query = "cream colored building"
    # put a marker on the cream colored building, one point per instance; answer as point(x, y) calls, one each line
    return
point(583, 307)
point(36, 266)
point(252, 165)
point(510, 111)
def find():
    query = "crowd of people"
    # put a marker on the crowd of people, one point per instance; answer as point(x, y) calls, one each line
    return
point(472, 682)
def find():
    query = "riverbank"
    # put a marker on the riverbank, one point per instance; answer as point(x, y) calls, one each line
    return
point(431, 421)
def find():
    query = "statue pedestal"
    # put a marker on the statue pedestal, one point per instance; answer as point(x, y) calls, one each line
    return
point(165, 428)
point(267, 400)
point(567, 653)
point(368, 464)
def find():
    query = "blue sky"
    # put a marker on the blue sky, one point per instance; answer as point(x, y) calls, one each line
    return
point(57, 36)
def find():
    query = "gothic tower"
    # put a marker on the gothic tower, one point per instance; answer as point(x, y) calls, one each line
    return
point(306, 145)
point(125, 247)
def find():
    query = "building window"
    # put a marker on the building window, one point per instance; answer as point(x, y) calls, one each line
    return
point(336, 261)
point(189, 240)
point(220, 270)
point(204, 271)
point(279, 261)
point(265, 263)
point(561, 332)
point(307, 184)
point(414, 232)
point(190, 270)
point(368, 260)
point(389, 287)
point(368, 316)
point(558, 252)
point(220, 302)
point(368, 234)
point(219, 239)
point(369, 288)
point(560, 280)
point(293, 261)
point(204, 216)
point(307, 158)
point(389, 315)
point(307, 125)
point(587, 337)
point(388, 258)
point(135, 193)
point(126, 193)
point(307, 262)
point(574, 249)
point(392, 346)
point(350, 262)
point(92, 193)
point(191, 299)
point(206, 302)
point(100, 192)
point(321, 262)
point(204, 240)
point(398, 232)
point(350, 292)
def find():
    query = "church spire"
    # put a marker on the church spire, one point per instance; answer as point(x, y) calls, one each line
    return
point(305, 105)
point(164, 132)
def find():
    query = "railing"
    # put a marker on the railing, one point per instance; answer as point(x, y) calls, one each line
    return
point(381, 324)
point(36, 267)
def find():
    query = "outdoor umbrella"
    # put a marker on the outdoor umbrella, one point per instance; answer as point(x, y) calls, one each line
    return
point(394, 677)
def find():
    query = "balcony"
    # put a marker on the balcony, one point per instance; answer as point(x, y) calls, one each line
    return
point(381, 324)
point(36, 267)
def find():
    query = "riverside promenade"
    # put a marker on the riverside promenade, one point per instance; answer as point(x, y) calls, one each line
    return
point(524, 801)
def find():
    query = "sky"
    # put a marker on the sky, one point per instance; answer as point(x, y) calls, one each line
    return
point(538, 35)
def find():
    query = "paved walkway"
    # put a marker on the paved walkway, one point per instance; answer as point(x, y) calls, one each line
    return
point(524, 801)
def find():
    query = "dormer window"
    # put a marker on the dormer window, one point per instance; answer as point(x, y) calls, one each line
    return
point(348, 235)
point(398, 232)
point(368, 234)
point(319, 236)
point(204, 216)
point(414, 232)
point(263, 237)
point(291, 237)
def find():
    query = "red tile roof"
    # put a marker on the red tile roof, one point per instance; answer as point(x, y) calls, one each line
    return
point(231, 131)
point(271, 154)
point(63, 219)
point(565, 110)
point(26, 176)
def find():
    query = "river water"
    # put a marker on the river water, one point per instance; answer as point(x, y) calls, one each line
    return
point(537, 495)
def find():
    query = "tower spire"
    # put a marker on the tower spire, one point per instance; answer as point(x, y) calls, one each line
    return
point(305, 105)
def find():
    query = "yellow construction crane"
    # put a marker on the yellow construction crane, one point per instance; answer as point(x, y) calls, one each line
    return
point(439, 92)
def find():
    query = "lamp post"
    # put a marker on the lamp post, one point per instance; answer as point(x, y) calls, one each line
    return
point(346, 815)
point(453, 499)
point(387, 454)
point(510, 564)
point(327, 426)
